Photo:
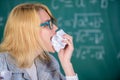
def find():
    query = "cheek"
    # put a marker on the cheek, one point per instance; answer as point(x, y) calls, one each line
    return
point(45, 36)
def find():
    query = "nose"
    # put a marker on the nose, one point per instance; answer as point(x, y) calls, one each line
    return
point(55, 28)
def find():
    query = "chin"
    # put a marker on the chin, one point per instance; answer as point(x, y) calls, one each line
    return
point(51, 49)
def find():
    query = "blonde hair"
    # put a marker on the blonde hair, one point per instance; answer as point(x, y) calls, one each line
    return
point(21, 35)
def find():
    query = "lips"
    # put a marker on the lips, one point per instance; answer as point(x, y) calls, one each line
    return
point(50, 38)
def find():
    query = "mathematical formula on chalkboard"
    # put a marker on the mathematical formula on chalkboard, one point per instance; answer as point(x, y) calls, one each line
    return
point(79, 3)
point(87, 25)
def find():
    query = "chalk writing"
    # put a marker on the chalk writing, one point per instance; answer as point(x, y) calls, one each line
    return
point(89, 36)
point(94, 52)
point(88, 25)
point(104, 3)
point(88, 31)
point(82, 20)
point(93, 20)
point(79, 3)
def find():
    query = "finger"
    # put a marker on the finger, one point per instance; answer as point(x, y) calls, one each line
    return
point(67, 42)
point(68, 37)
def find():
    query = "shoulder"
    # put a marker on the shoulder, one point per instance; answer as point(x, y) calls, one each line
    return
point(52, 58)
point(51, 65)
point(3, 60)
point(3, 54)
point(54, 61)
point(56, 65)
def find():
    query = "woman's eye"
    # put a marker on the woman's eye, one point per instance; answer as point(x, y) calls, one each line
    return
point(46, 25)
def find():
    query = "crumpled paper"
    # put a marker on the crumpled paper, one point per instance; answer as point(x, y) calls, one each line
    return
point(57, 40)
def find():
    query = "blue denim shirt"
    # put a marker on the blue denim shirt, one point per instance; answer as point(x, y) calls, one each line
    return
point(45, 71)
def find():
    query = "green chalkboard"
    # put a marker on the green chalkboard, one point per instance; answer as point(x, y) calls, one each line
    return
point(95, 27)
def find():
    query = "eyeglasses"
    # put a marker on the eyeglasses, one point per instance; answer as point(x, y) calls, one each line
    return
point(49, 24)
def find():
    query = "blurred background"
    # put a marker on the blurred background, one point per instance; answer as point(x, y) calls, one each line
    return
point(95, 27)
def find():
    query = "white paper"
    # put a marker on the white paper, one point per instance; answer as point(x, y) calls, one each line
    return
point(57, 40)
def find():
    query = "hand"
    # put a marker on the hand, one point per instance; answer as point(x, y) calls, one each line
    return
point(66, 53)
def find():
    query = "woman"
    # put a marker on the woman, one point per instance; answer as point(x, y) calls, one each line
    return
point(26, 45)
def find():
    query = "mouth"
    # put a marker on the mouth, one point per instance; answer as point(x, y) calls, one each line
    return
point(51, 40)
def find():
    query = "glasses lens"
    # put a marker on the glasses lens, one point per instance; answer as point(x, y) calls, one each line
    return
point(50, 24)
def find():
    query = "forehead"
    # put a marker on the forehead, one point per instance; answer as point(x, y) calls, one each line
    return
point(43, 16)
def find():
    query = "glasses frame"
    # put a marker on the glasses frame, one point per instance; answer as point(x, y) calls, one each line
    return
point(48, 23)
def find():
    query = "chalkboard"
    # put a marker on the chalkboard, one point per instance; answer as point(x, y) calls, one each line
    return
point(95, 27)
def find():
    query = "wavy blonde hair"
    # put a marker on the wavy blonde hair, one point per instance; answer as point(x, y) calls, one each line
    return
point(21, 34)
